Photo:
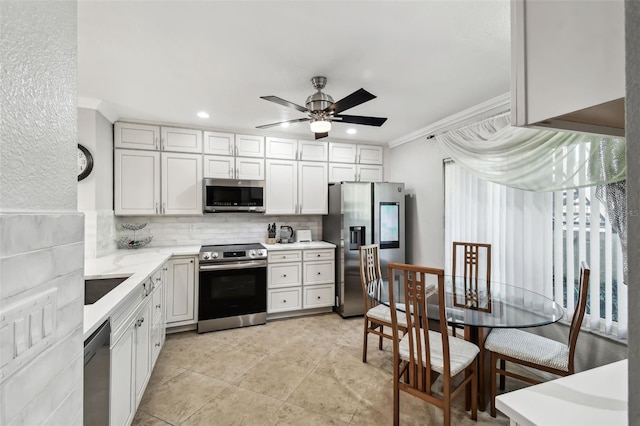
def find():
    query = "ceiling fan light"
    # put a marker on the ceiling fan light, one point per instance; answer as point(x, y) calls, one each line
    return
point(320, 126)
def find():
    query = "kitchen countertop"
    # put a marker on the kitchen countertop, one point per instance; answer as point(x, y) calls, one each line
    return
point(137, 264)
point(592, 397)
point(299, 246)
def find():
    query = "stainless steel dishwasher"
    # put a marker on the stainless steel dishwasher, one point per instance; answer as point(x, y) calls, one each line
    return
point(96, 376)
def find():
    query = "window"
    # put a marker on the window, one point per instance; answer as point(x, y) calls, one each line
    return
point(538, 240)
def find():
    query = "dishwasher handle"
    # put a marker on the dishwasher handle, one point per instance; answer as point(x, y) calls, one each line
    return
point(96, 341)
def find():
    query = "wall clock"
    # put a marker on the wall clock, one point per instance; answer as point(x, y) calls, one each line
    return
point(85, 162)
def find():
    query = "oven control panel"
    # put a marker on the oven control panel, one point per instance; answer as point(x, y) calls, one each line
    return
point(210, 254)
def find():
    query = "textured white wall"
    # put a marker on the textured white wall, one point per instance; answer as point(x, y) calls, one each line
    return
point(419, 165)
point(632, 30)
point(41, 249)
point(38, 108)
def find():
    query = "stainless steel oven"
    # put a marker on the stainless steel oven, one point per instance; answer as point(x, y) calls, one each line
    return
point(233, 195)
point(233, 286)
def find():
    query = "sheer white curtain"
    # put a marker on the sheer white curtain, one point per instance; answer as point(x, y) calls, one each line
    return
point(518, 225)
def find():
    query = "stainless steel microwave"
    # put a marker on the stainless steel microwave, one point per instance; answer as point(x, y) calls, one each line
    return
point(233, 195)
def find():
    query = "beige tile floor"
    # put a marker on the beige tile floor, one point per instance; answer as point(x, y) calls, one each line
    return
point(298, 371)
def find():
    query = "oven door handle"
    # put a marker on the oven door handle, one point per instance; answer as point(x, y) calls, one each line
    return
point(234, 265)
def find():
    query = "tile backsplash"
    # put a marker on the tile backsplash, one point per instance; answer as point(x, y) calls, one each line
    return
point(223, 228)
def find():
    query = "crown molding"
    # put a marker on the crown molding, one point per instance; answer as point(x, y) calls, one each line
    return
point(100, 106)
point(495, 105)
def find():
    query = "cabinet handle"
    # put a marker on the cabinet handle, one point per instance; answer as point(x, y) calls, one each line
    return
point(285, 275)
point(158, 344)
point(139, 322)
point(191, 261)
point(165, 268)
point(298, 154)
point(318, 254)
point(284, 301)
point(318, 273)
point(237, 173)
point(236, 150)
point(164, 208)
point(318, 297)
point(231, 172)
point(156, 208)
point(158, 306)
point(162, 140)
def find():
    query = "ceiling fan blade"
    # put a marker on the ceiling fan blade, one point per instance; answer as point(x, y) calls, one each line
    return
point(358, 97)
point(321, 135)
point(284, 102)
point(298, 120)
point(359, 119)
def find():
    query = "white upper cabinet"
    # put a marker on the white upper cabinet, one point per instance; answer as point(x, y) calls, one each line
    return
point(312, 150)
point(136, 182)
point(181, 140)
point(223, 167)
point(369, 173)
point(342, 152)
point(291, 149)
point(249, 146)
point(181, 184)
point(369, 154)
point(568, 63)
point(148, 137)
point(281, 187)
point(283, 149)
point(217, 143)
point(312, 187)
point(136, 136)
point(342, 172)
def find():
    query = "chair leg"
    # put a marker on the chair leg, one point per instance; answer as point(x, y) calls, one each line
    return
point(396, 400)
point(493, 384)
point(446, 410)
point(364, 343)
point(503, 366)
point(381, 333)
point(474, 391)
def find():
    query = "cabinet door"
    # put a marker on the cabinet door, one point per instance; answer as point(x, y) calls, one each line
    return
point(249, 146)
point(369, 154)
point(367, 173)
point(181, 184)
point(312, 150)
point(342, 172)
point(218, 167)
point(122, 401)
point(218, 143)
point(284, 149)
point(181, 140)
point(249, 168)
point(137, 182)
point(180, 290)
point(313, 188)
point(342, 152)
point(281, 187)
point(143, 324)
point(136, 136)
point(318, 296)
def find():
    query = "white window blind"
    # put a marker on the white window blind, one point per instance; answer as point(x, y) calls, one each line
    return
point(538, 240)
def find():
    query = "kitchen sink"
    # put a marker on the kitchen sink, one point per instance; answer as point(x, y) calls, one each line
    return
point(95, 289)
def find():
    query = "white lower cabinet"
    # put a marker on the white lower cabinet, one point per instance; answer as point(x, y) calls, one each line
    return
point(300, 279)
point(137, 337)
point(180, 289)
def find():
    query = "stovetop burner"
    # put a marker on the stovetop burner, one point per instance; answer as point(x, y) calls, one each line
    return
point(232, 252)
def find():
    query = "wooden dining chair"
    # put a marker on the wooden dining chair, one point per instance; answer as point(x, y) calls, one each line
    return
point(476, 261)
point(538, 352)
point(376, 315)
point(422, 354)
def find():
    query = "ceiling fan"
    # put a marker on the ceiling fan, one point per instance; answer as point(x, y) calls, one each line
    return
point(322, 110)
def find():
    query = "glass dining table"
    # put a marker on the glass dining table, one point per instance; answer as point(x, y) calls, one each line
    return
point(478, 306)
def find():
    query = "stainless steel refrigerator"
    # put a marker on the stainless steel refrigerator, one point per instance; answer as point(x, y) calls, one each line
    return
point(362, 213)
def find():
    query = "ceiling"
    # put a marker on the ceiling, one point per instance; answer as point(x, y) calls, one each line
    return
point(164, 61)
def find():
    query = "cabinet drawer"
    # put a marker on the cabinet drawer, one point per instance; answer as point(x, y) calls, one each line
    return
point(284, 256)
point(319, 272)
point(281, 300)
point(318, 296)
point(323, 254)
point(284, 275)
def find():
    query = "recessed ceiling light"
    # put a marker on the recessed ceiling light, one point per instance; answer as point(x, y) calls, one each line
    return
point(203, 114)
point(352, 131)
point(284, 125)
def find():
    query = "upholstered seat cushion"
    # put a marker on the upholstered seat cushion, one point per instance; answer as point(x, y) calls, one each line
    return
point(528, 347)
point(383, 313)
point(461, 352)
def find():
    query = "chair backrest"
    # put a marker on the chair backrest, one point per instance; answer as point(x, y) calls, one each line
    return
point(418, 283)
point(370, 274)
point(580, 309)
point(476, 259)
